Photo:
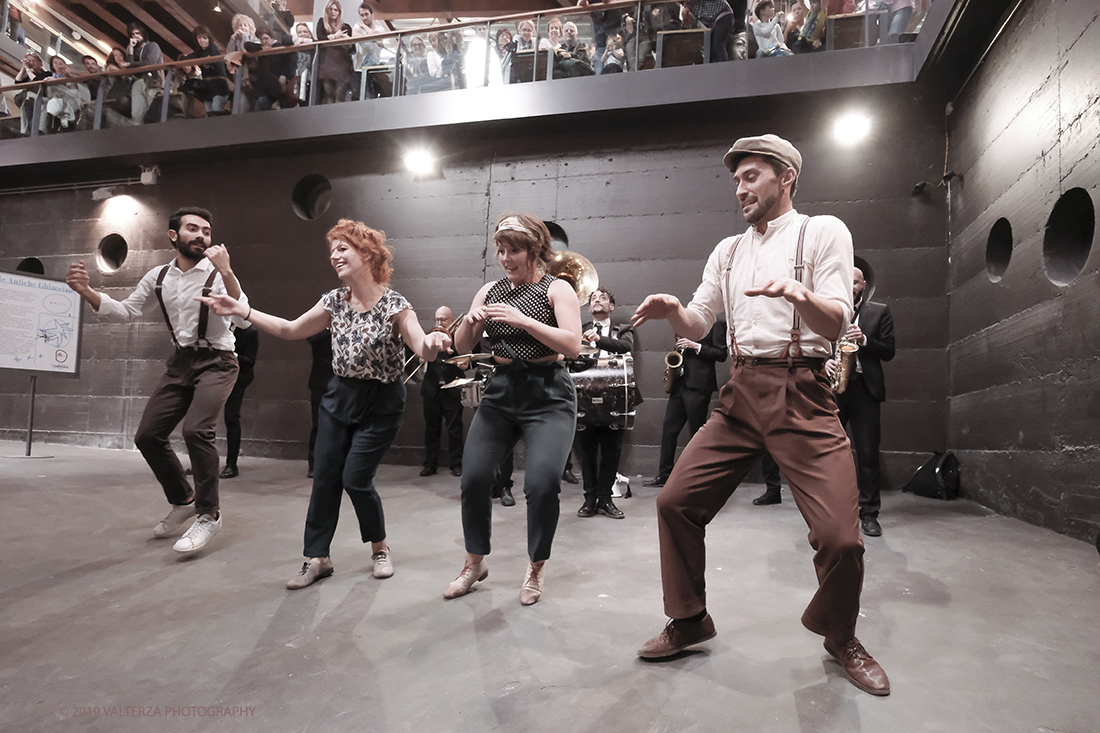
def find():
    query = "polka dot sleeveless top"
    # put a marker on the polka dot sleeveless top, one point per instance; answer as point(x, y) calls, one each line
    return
point(532, 300)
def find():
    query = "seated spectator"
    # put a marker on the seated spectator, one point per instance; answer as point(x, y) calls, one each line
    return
point(716, 15)
point(208, 82)
point(572, 57)
point(553, 29)
point(479, 71)
point(614, 58)
point(840, 7)
point(63, 101)
point(655, 19)
point(604, 23)
point(792, 25)
point(273, 80)
point(768, 32)
point(146, 85)
point(901, 11)
point(812, 35)
point(30, 70)
point(423, 69)
point(334, 67)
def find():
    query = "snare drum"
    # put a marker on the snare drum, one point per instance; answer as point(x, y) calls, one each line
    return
point(470, 389)
point(605, 393)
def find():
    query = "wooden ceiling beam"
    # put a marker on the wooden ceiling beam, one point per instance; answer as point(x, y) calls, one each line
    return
point(108, 17)
point(92, 33)
point(176, 11)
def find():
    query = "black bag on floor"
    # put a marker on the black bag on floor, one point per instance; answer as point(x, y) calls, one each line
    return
point(936, 479)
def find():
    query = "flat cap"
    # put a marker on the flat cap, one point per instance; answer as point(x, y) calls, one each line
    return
point(772, 145)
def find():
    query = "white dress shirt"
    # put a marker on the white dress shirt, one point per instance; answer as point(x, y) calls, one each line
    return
point(179, 290)
point(761, 326)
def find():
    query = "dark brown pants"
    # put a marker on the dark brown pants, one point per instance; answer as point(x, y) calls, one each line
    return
point(791, 414)
point(193, 389)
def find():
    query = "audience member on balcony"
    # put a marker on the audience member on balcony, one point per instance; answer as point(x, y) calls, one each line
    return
point(901, 11)
point(334, 68)
point(604, 23)
point(30, 70)
point(117, 94)
point(656, 18)
point(840, 7)
point(614, 58)
point(91, 66)
point(63, 101)
point(210, 84)
point(367, 53)
point(553, 29)
point(273, 79)
point(479, 65)
point(143, 52)
point(572, 57)
point(792, 23)
point(280, 18)
point(504, 47)
point(768, 31)
point(244, 31)
point(451, 58)
point(812, 35)
point(423, 69)
point(525, 41)
point(716, 15)
point(303, 34)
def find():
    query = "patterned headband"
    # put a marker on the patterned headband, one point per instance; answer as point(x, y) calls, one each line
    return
point(513, 224)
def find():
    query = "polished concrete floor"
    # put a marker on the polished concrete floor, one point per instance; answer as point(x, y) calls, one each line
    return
point(983, 623)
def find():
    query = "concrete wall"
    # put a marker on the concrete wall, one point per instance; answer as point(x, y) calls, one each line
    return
point(645, 197)
point(1023, 413)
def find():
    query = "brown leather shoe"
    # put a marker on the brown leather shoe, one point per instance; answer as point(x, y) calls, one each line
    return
point(470, 574)
point(310, 573)
point(531, 591)
point(678, 636)
point(861, 668)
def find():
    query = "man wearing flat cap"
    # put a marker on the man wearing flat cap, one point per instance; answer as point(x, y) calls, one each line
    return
point(785, 289)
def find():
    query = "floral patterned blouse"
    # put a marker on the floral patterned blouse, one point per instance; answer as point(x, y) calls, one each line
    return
point(366, 345)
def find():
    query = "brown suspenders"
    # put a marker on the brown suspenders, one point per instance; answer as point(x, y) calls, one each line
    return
point(204, 312)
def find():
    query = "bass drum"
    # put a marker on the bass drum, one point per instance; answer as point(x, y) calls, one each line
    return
point(605, 393)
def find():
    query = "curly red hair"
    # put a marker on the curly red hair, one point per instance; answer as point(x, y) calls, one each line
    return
point(370, 243)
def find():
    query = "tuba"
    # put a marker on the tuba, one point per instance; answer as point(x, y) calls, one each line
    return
point(845, 364)
point(674, 369)
point(576, 270)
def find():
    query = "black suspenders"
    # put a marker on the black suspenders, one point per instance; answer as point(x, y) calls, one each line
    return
point(204, 312)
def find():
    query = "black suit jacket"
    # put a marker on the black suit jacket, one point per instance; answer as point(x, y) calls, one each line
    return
point(699, 368)
point(878, 326)
point(438, 373)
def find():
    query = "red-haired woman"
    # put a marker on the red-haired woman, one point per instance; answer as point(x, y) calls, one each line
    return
point(362, 407)
point(532, 320)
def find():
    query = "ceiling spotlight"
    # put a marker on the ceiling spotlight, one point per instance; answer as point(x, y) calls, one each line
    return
point(102, 193)
point(852, 128)
point(420, 163)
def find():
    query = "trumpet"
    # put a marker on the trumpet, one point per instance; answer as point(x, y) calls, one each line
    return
point(845, 364)
point(674, 369)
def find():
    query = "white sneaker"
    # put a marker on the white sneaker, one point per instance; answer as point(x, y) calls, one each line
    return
point(200, 533)
point(175, 518)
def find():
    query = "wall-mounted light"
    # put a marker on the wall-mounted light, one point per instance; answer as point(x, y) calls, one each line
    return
point(851, 128)
point(421, 163)
point(150, 174)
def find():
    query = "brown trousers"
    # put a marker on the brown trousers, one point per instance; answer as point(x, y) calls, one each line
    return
point(789, 412)
point(193, 389)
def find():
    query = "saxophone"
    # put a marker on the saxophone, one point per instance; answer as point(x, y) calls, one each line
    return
point(674, 369)
point(845, 364)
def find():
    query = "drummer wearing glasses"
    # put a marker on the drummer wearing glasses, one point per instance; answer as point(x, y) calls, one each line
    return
point(532, 320)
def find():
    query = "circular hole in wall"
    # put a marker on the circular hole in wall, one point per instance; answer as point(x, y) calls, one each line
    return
point(998, 249)
point(111, 252)
point(1068, 237)
point(558, 238)
point(312, 196)
point(33, 265)
point(868, 276)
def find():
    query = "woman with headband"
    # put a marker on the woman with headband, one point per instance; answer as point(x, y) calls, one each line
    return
point(363, 405)
point(532, 319)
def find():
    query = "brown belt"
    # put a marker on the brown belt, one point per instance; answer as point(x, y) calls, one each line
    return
point(780, 361)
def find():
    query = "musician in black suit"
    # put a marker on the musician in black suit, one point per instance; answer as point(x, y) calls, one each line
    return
point(599, 447)
point(442, 405)
point(873, 330)
point(691, 392)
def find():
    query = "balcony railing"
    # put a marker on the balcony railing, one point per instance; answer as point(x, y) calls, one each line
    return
point(599, 39)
